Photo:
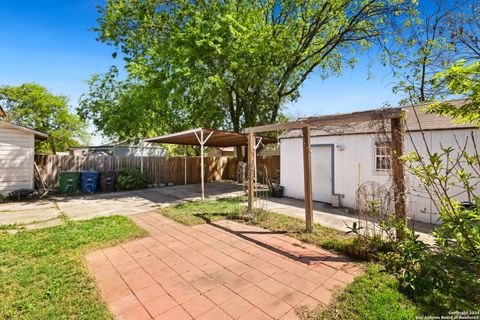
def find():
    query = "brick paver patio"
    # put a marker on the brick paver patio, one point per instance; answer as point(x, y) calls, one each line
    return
point(223, 270)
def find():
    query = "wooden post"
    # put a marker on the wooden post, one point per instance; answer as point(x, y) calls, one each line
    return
point(250, 163)
point(307, 177)
point(185, 164)
point(202, 166)
point(398, 173)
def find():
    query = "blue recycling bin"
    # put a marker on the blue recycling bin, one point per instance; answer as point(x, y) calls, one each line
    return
point(88, 181)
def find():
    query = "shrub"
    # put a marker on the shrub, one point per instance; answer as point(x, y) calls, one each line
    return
point(406, 259)
point(438, 278)
point(131, 179)
point(437, 281)
point(374, 232)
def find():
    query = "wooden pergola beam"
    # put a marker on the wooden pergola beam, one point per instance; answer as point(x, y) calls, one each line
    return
point(362, 116)
point(336, 119)
point(278, 127)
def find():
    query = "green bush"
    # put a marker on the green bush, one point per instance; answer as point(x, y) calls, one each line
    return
point(131, 179)
point(437, 281)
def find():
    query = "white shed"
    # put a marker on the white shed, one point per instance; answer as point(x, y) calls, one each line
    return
point(17, 150)
point(344, 157)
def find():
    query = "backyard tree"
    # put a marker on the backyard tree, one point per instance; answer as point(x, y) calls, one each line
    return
point(460, 79)
point(444, 32)
point(464, 29)
point(427, 49)
point(226, 64)
point(33, 106)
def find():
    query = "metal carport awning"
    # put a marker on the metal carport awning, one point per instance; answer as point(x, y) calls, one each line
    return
point(207, 137)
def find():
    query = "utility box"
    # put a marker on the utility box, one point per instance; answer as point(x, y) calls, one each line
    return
point(336, 200)
point(69, 182)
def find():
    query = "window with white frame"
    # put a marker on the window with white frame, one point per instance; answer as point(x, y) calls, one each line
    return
point(383, 156)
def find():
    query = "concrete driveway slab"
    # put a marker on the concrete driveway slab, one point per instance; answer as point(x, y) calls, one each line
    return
point(105, 204)
point(28, 214)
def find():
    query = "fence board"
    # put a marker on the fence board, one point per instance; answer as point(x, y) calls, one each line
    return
point(158, 169)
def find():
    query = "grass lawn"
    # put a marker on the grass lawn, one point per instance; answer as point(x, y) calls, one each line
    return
point(373, 295)
point(198, 212)
point(43, 275)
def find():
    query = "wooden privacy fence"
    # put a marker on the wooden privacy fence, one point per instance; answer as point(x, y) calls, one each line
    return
point(158, 169)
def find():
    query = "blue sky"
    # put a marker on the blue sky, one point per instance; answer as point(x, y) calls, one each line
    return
point(49, 42)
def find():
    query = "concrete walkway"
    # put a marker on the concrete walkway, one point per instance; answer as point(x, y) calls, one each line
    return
point(223, 270)
point(47, 212)
point(328, 216)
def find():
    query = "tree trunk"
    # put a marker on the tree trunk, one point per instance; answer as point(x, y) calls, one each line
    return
point(53, 147)
point(240, 154)
point(235, 111)
point(422, 97)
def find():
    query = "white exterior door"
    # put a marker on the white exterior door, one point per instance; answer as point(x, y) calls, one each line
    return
point(322, 175)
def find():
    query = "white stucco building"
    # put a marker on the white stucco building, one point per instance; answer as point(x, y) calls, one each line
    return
point(344, 157)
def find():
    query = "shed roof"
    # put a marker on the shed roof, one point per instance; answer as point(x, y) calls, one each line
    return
point(427, 121)
point(218, 138)
point(37, 134)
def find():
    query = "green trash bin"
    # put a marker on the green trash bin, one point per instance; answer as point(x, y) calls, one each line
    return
point(69, 182)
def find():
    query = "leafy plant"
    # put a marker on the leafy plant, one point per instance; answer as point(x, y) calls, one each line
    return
point(446, 276)
point(440, 173)
point(406, 259)
point(437, 281)
point(131, 179)
point(355, 228)
point(461, 79)
point(375, 230)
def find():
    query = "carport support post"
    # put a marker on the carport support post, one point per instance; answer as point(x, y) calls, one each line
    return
point(398, 173)
point(307, 176)
point(202, 142)
point(250, 163)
